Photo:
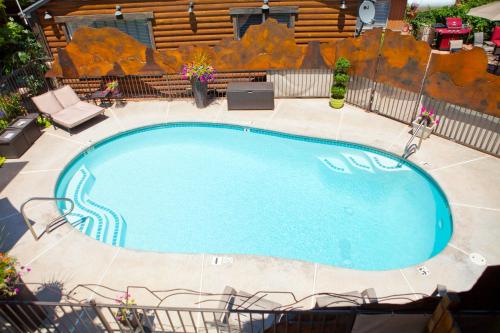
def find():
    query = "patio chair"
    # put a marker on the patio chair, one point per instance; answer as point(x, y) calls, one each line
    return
point(63, 107)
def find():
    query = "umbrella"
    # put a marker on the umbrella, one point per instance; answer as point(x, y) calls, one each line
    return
point(489, 11)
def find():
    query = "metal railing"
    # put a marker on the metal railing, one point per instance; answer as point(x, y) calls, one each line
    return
point(92, 317)
point(411, 148)
point(53, 223)
point(167, 86)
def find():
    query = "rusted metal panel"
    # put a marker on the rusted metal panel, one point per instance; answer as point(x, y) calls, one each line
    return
point(402, 61)
point(461, 79)
point(362, 52)
point(108, 51)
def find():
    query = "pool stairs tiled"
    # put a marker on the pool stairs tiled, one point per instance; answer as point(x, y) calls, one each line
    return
point(94, 219)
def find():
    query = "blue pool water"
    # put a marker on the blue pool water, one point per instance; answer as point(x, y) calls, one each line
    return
point(200, 188)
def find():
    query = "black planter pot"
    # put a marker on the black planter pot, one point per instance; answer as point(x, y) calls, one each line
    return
point(26, 315)
point(200, 93)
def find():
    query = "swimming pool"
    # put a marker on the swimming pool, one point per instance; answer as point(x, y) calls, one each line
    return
point(224, 189)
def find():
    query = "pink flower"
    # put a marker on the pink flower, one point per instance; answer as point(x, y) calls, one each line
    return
point(28, 269)
point(16, 291)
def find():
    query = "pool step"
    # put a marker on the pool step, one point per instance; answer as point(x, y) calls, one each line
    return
point(93, 218)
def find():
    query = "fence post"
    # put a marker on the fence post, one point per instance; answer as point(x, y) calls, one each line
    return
point(101, 317)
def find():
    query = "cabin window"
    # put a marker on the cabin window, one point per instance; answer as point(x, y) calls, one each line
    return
point(243, 18)
point(138, 29)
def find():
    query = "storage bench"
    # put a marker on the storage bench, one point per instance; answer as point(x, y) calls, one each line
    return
point(250, 96)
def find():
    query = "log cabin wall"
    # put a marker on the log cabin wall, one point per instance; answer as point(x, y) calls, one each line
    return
point(172, 25)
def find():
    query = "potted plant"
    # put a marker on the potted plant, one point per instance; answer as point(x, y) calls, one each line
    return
point(43, 122)
point(341, 79)
point(12, 288)
point(112, 87)
point(199, 72)
point(425, 123)
point(125, 316)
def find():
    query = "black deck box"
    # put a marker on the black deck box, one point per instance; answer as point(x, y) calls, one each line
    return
point(13, 143)
point(250, 96)
point(27, 124)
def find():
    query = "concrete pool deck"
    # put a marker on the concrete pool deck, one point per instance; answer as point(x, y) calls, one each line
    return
point(68, 258)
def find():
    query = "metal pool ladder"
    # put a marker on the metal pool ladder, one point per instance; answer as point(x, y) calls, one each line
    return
point(52, 223)
point(410, 147)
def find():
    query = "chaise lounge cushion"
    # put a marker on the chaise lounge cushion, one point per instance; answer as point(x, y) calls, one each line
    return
point(66, 96)
point(47, 103)
point(76, 115)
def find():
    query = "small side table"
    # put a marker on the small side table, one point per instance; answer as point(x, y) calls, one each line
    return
point(27, 124)
point(13, 143)
point(102, 95)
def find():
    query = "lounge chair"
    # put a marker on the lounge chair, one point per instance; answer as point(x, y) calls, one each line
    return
point(63, 107)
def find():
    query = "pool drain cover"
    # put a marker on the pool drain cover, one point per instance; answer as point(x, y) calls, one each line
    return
point(477, 259)
point(424, 271)
point(221, 261)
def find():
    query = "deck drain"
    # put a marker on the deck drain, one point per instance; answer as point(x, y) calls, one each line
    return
point(424, 271)
point(222, 261)
point(477, 259)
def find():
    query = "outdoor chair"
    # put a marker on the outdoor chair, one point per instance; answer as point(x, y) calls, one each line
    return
point(63, 107)
point(232, 300)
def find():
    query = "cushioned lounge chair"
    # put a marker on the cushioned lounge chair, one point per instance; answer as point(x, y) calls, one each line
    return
point(64, 107)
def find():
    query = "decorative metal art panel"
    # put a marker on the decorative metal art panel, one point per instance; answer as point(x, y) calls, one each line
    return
point(402, 61)
point(108, 51)
point(362, 52)
point(461, 79)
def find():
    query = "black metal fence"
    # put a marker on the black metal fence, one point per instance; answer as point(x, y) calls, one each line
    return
point(26, 82)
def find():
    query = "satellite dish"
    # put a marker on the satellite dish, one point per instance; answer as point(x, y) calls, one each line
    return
point(366, 12)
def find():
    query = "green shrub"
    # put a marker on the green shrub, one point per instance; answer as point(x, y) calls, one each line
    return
point(2, 161)
point(43, 122)
point(338, 92)
point(342, 65)
point(3, 124)
point(341, 78)
point(12, 106)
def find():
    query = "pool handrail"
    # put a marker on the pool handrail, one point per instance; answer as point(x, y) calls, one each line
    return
point(51, 223)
